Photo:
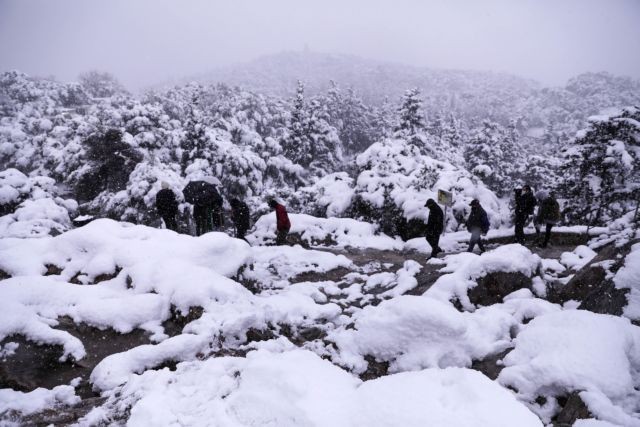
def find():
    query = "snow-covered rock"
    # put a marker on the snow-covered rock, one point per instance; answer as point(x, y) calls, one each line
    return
point(304, 390)
point(576, 350)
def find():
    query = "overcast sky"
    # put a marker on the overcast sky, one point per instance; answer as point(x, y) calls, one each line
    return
point(147, 41)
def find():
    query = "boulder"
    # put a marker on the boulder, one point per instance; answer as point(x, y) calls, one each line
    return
point(492, 288)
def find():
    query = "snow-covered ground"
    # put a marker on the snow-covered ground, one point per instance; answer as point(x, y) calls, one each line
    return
point(285, 335)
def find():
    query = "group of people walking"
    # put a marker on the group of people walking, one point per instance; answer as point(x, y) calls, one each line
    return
point(208, 210)
point(478, 224)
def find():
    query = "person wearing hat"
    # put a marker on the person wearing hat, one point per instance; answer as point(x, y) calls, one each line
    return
point(435, 225)
point(477, 224)
point(167, 206)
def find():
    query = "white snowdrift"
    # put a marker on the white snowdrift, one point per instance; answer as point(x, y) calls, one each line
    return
point(628, 277)
point(304, 390)
point(274, 266)
point(36, 400)
point(415, 332)
point(577, 350)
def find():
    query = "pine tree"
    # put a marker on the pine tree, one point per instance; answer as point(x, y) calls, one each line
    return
point(601, 170)
point(296, 144)
point(492, 153)
point(196, 144)
point(411, 119)
point(411, 124)
point(323, 139)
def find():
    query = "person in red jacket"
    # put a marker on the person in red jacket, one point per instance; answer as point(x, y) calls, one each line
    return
point(283, 225)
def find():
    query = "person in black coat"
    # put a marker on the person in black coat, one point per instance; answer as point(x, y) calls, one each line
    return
point(477, 224)
point(524, 207)
point(217, 218)
point(167, 207)
point(435, 226)
point(240, 216)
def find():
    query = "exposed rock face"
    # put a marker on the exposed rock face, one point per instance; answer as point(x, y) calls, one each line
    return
point(493, 287)
point(593, 284)
point(33, 365)
point(375, 369)
point(573, 409)
point(491, 365)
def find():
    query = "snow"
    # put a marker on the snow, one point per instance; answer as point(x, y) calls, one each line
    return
point(305, 390)
point(413, 332)
point(115, 370)
point(275, 266)
point(555, 354)
point(577, 259)
point(628, 277)
point(36, 400)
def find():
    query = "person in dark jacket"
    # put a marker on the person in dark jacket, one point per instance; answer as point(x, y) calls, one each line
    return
point(217, 218)
point(524, 207)
point(240, 216)
point(204, 197)
point(548, 215)
point(283, 225)
point(477, 224)
point(435, 225)
point(167, 206)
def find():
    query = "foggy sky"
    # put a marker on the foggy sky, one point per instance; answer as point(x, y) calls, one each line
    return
point(148, 41)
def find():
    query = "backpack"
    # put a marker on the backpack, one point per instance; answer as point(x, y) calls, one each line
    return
point(484, 224)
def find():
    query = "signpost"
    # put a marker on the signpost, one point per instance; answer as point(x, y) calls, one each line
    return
point(445, 198)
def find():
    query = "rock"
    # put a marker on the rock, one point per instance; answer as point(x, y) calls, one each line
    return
point(375, 369)
point(174, 325)
point(63, 415)
point(4, 275)
point(573, 409)
point(593, 286)
point(33, 365)
point(491, 365)
point(259, 335)
point(52, 270)
point(493, 287)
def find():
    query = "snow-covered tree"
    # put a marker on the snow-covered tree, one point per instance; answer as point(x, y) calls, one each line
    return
point(410, 115)
point(601, 169)
point(100, 85)
point(493, 154)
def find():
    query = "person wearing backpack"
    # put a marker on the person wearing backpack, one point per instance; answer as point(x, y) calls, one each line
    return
point(477, 224)
point(435, 226)
point(240, 217)
point(525, 204)
point(548, 215)
point(167, 206)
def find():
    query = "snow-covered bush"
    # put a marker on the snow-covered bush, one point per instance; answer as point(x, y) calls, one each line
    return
point(395, 180)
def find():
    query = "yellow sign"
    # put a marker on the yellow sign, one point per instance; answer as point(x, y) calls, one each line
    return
point(445, 198)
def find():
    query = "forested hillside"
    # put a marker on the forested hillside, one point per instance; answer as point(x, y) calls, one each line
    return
point(373, 143)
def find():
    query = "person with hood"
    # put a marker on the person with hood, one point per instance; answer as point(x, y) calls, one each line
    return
point(524, 207)
point(435, 225)
point(283, 225)
point(548, 215)
point(240, 217)
point(167, 206)
point(477, 224)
